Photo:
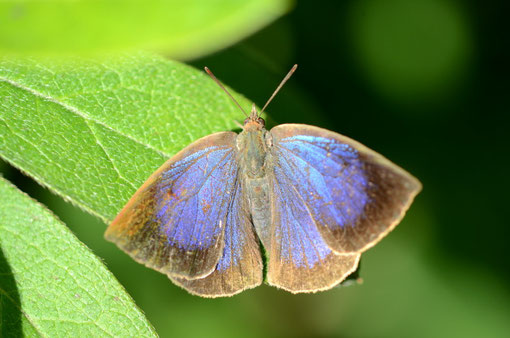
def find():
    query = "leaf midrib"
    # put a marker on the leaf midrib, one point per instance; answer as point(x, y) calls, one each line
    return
point(85, 117)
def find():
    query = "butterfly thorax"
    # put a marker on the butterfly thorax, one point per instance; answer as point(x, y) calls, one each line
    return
point(252, 145)
point(252, 150)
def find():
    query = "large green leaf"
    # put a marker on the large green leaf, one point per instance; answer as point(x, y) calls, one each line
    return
point(179, 28)
point(93, 131)
point(51, 285)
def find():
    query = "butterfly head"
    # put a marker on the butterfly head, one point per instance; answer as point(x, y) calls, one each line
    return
point(254, 121)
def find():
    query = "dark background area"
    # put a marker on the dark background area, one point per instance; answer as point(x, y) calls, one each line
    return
point(425, 84)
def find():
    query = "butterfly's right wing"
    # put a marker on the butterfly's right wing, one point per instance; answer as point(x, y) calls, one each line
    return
point(175, 222)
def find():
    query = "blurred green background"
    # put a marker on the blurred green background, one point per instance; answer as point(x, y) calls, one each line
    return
point(418, 81)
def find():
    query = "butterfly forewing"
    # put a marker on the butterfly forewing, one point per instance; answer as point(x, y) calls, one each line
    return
point(175, 222)
point(354, 195)
point(240, 266)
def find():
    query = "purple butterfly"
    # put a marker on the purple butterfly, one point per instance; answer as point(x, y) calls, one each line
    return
point(312, 200)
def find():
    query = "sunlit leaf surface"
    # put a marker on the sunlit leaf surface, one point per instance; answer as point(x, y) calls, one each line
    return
point(93, 131)
point(51, 285)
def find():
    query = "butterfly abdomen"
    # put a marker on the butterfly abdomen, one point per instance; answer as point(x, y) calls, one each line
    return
point(260, 208)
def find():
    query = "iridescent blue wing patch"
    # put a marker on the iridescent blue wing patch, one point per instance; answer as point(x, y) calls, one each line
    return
point(240, 266)
point(353, 195)
point(175, 223)
point(299, 258)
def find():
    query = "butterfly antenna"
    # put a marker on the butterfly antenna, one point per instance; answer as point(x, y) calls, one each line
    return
point(289, 74)
point(208, 71)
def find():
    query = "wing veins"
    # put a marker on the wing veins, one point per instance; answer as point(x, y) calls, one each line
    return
point(199, 190)
point(304, 202)
point(207, 177)
point(281, 239)
point(308, 213)
point(311, 165)
point(313, 144)
point(340, 210)
point(229, 213)
point(306, 233)
point(187, 166)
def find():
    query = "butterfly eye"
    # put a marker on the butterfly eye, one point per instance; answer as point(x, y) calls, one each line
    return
point(246, 120)
point(261, 121)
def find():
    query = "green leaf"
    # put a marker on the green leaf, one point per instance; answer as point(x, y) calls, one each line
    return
point(93, 131)
point(51, 284)
point(181, 29)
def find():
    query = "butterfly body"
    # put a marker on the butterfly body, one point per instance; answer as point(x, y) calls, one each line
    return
point(254, 148)
point(313, 198)
point(260, 207)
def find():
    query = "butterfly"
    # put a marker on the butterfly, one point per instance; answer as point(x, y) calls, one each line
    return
point(308, 199)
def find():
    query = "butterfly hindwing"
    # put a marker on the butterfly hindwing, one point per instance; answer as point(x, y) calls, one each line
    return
point(354, 195)
point(175, 222)
point(240, 266)
point(299, 258)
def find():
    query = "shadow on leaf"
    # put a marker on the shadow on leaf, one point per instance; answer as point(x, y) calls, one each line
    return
point(10, 307)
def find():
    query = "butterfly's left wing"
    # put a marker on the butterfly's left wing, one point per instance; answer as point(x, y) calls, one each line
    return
point(299, 258)
point(354, 195)
point(332, 198)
